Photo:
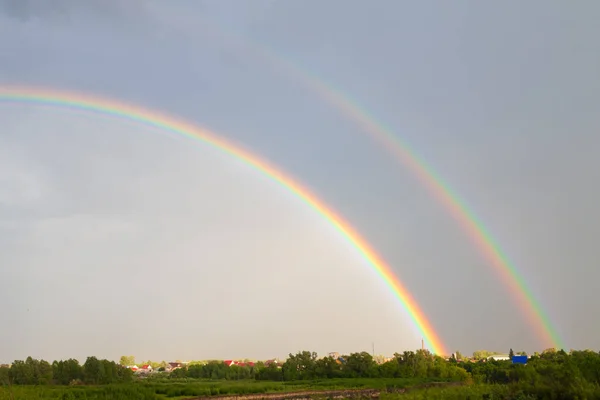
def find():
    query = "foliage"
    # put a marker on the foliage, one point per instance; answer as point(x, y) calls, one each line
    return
point(121, 392)
point(553, 374)
point(40, 372)
point(175, 388)
point(127, 361)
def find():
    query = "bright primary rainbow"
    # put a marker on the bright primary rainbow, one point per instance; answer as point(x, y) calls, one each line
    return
point(470, 223)
point(21, 94)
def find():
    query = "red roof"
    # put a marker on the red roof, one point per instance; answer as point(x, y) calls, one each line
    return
point(229, 363)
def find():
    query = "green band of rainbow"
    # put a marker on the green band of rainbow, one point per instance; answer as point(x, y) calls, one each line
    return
point(490, 249)
point(525, 299)
point(169, 124)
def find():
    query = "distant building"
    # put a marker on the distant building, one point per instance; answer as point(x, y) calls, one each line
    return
point(245, 364)
point(379, 359)
point(174, 365)
point(499, 357)
point(229, 363)
point(519, 360)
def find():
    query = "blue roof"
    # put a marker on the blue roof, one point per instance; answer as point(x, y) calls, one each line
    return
point(519, 359)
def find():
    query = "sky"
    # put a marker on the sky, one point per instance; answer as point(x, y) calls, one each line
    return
point(116, 238)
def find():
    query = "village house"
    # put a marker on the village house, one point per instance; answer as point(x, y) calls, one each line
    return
point(172, 366)
point(499, 357)
point(229, 363)
point(146, 368)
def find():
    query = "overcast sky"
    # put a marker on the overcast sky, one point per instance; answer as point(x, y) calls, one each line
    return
point(117, 239)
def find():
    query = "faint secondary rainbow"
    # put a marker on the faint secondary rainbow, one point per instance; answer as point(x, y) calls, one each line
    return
point(52, 97)
point(470, 223)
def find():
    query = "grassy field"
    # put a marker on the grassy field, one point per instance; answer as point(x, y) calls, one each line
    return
point(186, 388)
point(471, 392)
point(207, 388)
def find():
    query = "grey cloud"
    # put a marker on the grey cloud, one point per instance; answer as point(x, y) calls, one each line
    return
point(27, 9)
point(505, 112)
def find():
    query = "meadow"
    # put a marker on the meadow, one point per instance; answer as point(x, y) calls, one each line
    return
point(411, 375)
point(190, 388)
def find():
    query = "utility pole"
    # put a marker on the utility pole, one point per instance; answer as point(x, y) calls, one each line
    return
point(422, 344)
point(373, 344)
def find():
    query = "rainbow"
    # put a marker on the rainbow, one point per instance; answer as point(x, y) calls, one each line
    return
point(401, 151)
point(52, 97)
point(469, 222)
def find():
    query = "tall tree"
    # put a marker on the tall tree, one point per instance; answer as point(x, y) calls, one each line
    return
point(127, 361)
point(93, 371)
point(44, 373)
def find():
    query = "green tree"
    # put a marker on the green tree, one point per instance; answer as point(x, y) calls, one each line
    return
point(300, 366)
point(93, 371)
point(127, 361)
point(483, 354)
point(360, 365)
point(271, 372)
point(45, 373)
point(61, 374)
point(22, 372)
point(4, 376)
point(73, 370)
point(390, 369)
point(327, 367)
point(124, 374)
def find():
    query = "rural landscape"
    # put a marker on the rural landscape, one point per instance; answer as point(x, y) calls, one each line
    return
point(236, 200)
point(552, 374)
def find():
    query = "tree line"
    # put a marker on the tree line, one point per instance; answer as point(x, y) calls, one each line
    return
point(576, 373)
point(551, 374)
point(306, 365)
point(65, 372)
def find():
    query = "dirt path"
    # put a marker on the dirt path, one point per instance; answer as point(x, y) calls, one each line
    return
point(330, 394)
point(305, 394)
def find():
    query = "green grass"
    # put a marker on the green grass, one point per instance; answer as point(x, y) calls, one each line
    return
point(471, 392)
point(212, 388)
point(155, 389)
point(121, 392)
